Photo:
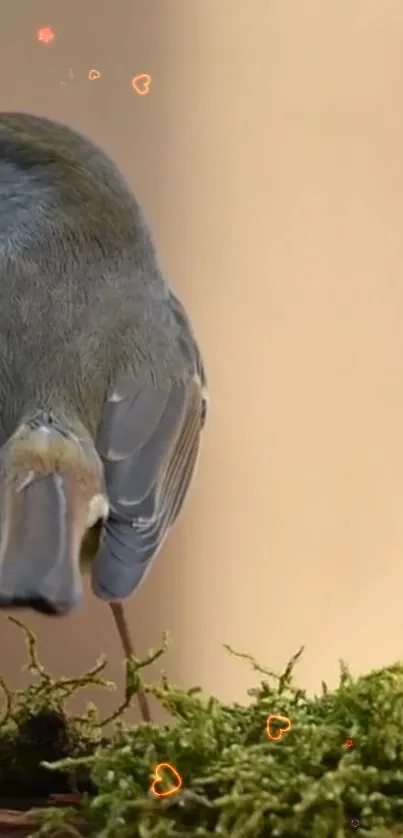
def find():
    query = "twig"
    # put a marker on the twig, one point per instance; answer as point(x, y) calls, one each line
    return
point(133, 681)
point(34, 664)
point(9, 701)
point(286, 676)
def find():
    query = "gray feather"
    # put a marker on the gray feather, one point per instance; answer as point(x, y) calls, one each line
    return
point(146, 492)
point(118, 435)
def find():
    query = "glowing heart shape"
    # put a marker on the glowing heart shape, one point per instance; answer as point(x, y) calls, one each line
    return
point(158, 780)
point(94, 74)
point(285, 726)
point(141, 84)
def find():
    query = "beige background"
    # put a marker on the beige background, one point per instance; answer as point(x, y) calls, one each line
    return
point(269, 158)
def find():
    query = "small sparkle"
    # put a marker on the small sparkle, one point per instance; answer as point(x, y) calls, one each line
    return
point(45, 35)
point(71, 77)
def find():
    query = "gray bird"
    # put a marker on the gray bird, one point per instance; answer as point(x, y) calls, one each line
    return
point(102, 384)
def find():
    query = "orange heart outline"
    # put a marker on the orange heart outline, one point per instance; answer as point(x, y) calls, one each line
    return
point(94, 74)
point(282, 730)
point(145, 83)
point(159, 779)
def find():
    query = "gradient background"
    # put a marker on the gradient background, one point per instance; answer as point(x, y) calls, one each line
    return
point(268, 156)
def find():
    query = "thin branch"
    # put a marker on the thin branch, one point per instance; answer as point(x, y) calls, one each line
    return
point(255, 665)
point(8, 702)
point(34, 664)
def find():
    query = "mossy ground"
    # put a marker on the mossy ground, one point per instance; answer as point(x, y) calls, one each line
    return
point(237, 783)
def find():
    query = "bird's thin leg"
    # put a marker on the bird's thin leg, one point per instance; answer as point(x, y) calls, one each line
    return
point(126, 641)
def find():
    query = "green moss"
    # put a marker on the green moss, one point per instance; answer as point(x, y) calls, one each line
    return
point(35, 727)
point(237, 783)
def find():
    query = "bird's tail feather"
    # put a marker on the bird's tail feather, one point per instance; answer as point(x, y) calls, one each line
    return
point(48, 484)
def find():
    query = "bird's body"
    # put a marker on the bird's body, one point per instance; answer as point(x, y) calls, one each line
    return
point(76, 259)
point(102, 385)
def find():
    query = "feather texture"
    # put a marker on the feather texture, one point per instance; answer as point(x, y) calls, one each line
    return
point(147, 484)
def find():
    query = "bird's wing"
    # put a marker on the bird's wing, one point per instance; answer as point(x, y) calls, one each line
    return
point(148, 441)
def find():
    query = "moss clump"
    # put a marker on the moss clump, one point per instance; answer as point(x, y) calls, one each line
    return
point(238, 783)
point(35, 727)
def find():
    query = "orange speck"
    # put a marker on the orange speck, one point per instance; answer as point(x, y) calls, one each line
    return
point(45, 35)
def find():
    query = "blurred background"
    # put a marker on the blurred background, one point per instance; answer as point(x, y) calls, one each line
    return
point(268, 156)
